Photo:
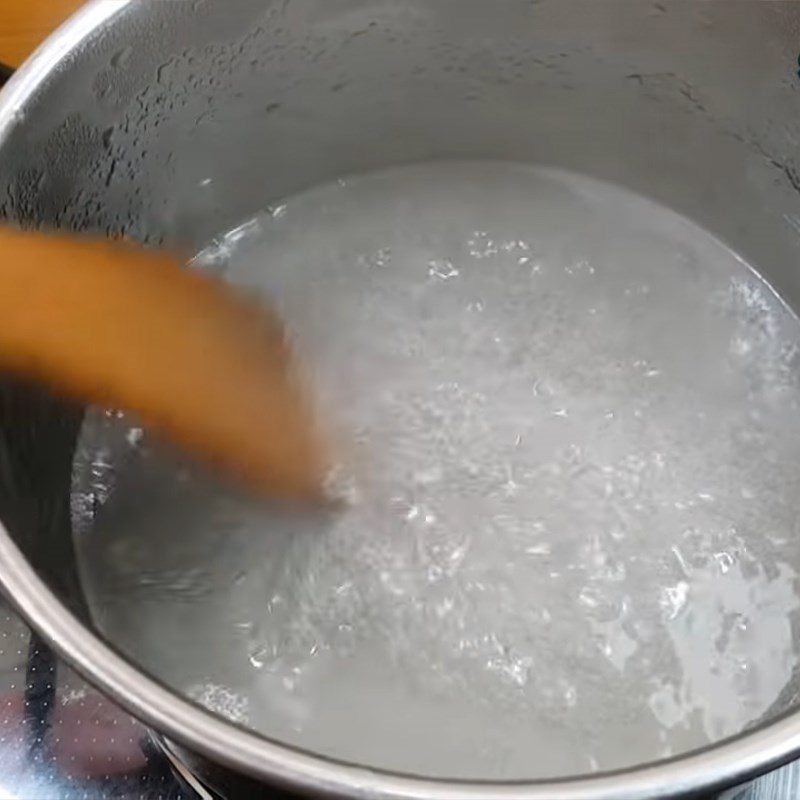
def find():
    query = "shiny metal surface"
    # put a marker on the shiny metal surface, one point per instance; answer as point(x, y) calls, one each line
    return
point(116, 120)
point(780, 785)
point(92, 750)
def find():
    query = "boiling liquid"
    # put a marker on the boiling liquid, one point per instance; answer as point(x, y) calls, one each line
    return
point(571, 460)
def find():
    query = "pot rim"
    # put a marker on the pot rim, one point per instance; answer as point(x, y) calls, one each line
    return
point(724, 764)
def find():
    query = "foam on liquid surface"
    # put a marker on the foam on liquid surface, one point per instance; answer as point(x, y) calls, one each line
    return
point(572, 463)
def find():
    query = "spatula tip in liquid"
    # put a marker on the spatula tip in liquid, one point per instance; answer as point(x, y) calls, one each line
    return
point(207, 368)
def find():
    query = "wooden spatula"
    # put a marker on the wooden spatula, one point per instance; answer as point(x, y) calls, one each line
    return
point(116, 325)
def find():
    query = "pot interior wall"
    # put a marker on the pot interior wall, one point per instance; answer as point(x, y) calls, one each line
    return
point(179, 119)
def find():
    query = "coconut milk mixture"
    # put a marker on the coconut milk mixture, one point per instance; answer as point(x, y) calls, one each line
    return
point(571, 456)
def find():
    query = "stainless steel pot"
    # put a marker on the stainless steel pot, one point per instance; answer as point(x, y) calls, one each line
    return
point(119, 120)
